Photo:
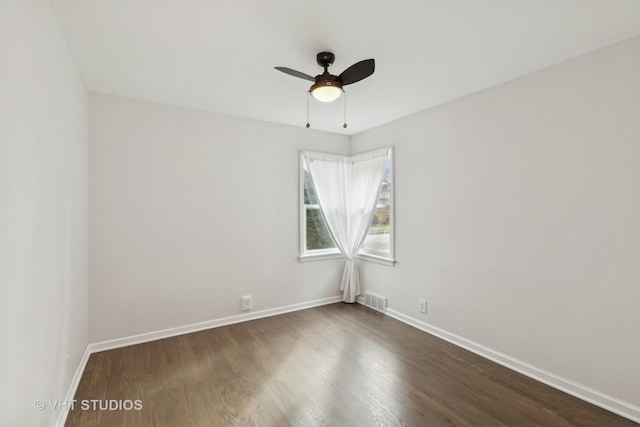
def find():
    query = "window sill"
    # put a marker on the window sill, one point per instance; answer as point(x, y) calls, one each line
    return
point(319, 257)
point(377, 259)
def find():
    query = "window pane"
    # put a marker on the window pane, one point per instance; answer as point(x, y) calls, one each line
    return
point(378, 239)
point(318, 236)
point(309, 192)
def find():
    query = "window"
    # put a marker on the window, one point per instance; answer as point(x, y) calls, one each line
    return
point(316, 241)
point(379, 240)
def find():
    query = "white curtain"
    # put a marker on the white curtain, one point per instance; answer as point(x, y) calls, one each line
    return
point(347, 190)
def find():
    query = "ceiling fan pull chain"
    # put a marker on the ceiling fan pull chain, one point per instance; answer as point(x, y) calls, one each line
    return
point(345, 110)
point(308, 95)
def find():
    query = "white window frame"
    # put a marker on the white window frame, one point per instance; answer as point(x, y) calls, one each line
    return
point(383, 257)
point(333, 253)
point(313, 254)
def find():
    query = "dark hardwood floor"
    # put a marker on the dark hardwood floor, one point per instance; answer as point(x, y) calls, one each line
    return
point(336, 365)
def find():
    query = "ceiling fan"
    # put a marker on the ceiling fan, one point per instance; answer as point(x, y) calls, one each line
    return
point(328, 87)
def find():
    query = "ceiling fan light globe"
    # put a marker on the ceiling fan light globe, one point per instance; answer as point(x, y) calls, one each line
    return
point(326, 92)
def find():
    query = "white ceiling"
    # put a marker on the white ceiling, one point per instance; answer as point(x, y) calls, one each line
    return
point(218, 56)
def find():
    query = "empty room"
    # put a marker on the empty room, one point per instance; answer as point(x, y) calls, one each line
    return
point(418, 213)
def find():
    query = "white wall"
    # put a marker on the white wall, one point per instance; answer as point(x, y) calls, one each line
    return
point(43, 213)
point(518, 218)
point(189, 211)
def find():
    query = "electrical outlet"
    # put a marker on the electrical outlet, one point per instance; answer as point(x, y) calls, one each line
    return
point(246, 303)
point(422, 306)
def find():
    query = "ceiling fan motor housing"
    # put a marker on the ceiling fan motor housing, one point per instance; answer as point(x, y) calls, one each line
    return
point(326, 79)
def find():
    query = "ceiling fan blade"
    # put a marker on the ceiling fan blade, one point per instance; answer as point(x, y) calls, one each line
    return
point(358, 71)
point(295, 73)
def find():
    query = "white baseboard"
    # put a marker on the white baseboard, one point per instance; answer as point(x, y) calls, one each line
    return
point(209, 324)
point(612, 404)
point(71, 392)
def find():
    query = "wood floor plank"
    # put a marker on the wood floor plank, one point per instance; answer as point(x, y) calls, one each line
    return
point(335, 365)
